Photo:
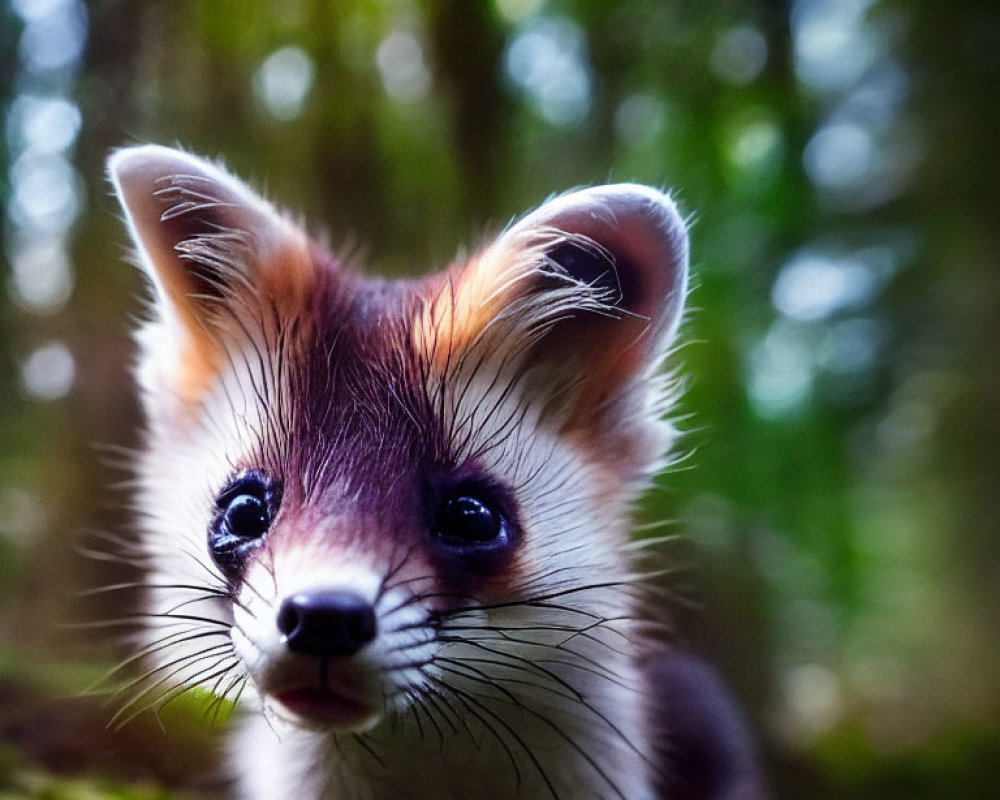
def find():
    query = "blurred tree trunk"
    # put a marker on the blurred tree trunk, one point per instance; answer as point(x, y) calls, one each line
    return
point(954, 53)
point(467, 46)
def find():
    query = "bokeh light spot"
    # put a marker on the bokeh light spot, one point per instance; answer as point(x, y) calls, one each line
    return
point(282, 83)
point(739, 55)
point(49, 372)
point(401, 64)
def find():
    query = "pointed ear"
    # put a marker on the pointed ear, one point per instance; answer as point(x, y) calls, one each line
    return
point(628, 245)
point(589, 290)
point(202, 235)
point(209, 245)
point(626, 239)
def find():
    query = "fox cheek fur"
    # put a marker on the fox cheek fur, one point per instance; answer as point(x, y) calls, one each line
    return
point(394, 515)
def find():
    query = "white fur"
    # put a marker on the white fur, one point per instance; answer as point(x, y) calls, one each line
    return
point(569, 541)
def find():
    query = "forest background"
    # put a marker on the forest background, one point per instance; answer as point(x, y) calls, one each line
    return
point(837, 509)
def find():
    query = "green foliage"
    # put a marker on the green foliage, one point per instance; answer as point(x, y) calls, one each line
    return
point(837, 494)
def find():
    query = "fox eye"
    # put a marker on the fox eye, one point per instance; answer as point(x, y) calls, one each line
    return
point(244, 511)
point(473, 526)
point(465, 518)
point(246, 515)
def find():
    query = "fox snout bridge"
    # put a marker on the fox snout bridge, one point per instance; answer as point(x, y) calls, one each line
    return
point(327, 623)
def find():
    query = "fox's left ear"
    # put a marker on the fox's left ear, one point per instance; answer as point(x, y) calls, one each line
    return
point(582, 297)
point(627, 244)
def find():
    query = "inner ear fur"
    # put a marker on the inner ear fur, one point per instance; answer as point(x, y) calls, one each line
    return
point(625, 246)
point(216, 255)
point(636, 230)
point(203, 237)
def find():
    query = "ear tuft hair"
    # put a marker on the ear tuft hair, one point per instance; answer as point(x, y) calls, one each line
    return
point(202, 235)
point(213, 251)
point(581, 298)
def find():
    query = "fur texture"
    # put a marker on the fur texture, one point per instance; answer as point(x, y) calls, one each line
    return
point(502, 661)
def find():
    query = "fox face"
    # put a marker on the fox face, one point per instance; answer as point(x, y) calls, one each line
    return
point(379, 507)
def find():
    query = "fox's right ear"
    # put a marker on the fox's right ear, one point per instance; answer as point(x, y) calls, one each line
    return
point(212, 248)
point(203, 236)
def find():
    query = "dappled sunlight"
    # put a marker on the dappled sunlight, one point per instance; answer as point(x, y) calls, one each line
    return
point(547, 60)
point(46, 195)
point(834, 42)
point(48, 372)
point(739, 55)
point(839, 456)
point(402, 66)
point(283, 81)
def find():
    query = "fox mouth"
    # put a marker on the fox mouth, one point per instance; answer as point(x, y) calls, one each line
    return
point(326, 707)
point(328, 695)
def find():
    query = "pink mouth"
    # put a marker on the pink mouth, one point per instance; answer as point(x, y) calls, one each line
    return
point(325, 707)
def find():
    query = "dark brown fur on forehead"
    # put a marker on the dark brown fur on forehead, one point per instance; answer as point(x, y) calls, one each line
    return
point(360, 442)
point(345, 404)
point(373, 371)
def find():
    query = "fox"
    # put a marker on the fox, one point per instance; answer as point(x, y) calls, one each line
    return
point(390, 519)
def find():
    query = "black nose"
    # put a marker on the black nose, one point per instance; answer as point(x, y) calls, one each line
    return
point(327, 623)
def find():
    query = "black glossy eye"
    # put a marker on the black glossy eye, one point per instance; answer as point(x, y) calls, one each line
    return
point(472, 522)
point(244, 511)
point(246, 516)
point(467, 519)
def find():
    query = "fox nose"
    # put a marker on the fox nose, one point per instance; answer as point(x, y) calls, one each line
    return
point(327, 623)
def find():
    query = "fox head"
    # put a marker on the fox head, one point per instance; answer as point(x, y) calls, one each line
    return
point(361, 497)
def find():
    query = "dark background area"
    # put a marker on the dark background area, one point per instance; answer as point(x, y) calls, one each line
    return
point(837, 508)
